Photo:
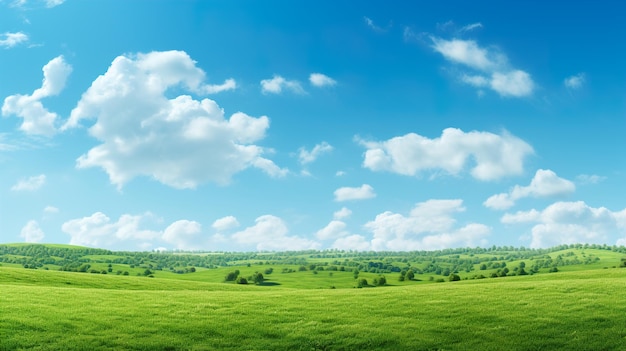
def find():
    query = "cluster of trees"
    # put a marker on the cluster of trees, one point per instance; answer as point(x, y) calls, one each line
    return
point(495, 261)
point(256, 278)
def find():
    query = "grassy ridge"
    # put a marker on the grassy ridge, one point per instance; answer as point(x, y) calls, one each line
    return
point(580, 310)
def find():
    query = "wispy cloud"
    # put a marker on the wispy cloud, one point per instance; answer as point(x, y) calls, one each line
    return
point(574, 82)
point(470, 27)
point(30, 184)
point(9, 40)
point(306, 156)
point(370, 23)
point(489, 68)
point(276, 84)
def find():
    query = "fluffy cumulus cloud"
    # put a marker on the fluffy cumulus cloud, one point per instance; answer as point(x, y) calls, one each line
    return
point(352, 242)
point(429, 226)
point(305, 156)
point(570, 223)
point(98, 230)
point(180, 142)
point(270, 233)
point(488, 67)
point(9, 40)
point(363, 192)
point(575, 82)
point(37, 120)
point(30, 183)
point(343, 213)
point(32, 233)
point(225, 223)
point(545, 183)
point(494, 156)
point(335, 229)
point(183, 234)
point(277, 84)
point(321, 80)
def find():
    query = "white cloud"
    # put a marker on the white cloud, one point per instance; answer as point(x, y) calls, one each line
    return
point(515, 83)
point(47, 3)
point(321, 80)
point(278, 83)
point(181, 142)
point(270, 233)
point(225, 223)
point(495, 156)
point(30, 183)
point(363, 192)
point(53, 3)
point(184, 234)
point(575, 82)
point(98, 230)
point(342, 214)
point(545, 183)
point(467, 52)
point(571, 222)
point(335, 229)
point(306, 156)
point(229, 84)
point(9, 40)
point(352, 242)
point(370, 23)
point(495, 72)
point(429, 226)
point(589, 178)
point(32, 233)
point(50, 210)
point(37, 119)
point(340, 173)
point(471, 27)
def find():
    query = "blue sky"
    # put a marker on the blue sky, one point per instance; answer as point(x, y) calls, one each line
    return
point(246, 126)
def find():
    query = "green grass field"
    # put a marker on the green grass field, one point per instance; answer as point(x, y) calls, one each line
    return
point(309, 301)
point(46, 310)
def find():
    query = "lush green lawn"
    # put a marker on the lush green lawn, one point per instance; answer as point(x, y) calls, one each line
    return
point(41, 310)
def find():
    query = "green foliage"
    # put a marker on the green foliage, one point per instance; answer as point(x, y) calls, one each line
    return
point(454, 277)
point(257, 278)
point(241, 280)
point(232, 276)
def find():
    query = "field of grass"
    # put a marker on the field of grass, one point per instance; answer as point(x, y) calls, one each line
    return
point(59, 297)
point(47, 310)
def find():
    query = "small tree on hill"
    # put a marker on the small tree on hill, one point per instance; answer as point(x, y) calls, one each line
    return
point(454, 277)
point(257, 278)
point(241, 280)
point(410, 275)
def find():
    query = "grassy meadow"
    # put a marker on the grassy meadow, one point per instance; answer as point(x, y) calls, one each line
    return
point(577, 308)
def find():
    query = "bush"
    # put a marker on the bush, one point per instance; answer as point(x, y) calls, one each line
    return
point(232, 276)
point(241, 280)
point(362, 283)
point(454, 277)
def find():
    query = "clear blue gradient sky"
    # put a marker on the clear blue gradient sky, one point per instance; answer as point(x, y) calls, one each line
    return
point(281, 125)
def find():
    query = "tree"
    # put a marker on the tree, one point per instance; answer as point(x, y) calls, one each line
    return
point(410, 275)
point(382, 281)
point(454, 277)
point(241, 280)
point(362, 282)
point(232, 276)
point(257, 278)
